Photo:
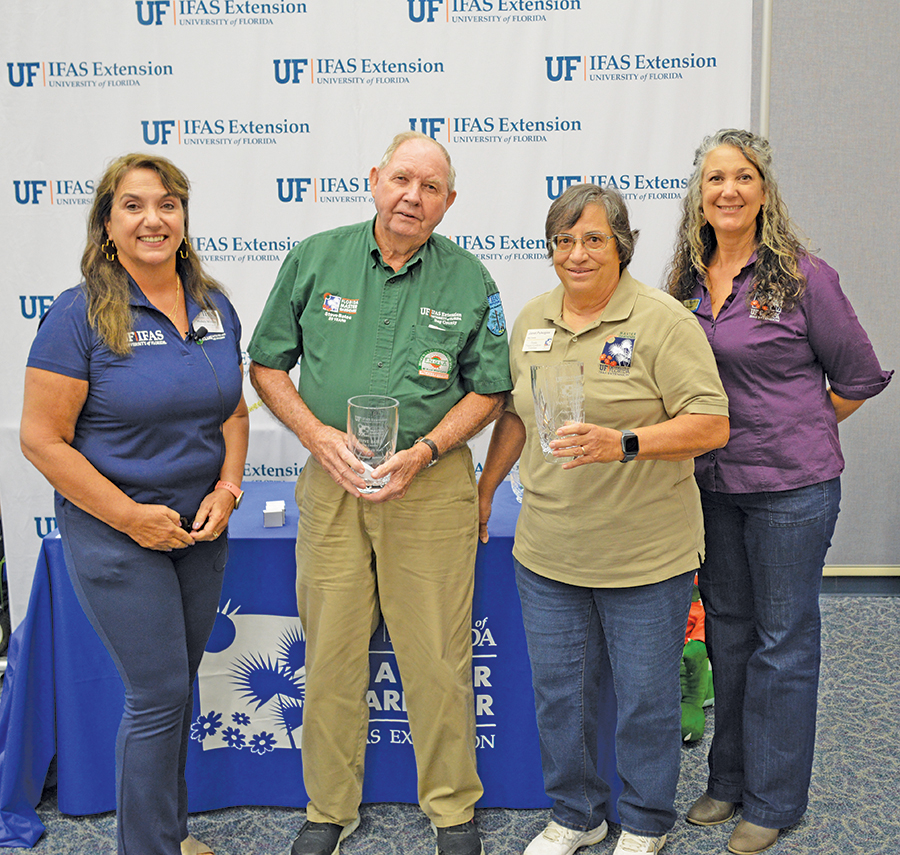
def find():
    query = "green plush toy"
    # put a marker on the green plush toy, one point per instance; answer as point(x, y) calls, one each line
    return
point(696, 689)
point(696, 677)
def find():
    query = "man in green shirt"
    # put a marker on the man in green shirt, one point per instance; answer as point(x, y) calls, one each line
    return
point(387, 308)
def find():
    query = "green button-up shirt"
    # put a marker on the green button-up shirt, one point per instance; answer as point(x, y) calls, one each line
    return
point(427, 334)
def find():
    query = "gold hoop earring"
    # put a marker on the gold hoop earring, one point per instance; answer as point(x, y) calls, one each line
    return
point(184, 250)
point(109, 250)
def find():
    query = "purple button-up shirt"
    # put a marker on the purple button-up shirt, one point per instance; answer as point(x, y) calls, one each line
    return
point(784, 431)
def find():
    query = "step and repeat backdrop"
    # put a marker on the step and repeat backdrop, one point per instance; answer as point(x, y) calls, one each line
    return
point(278, 110)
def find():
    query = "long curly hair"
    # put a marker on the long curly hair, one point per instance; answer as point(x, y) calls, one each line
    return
point(106, 282)
point(778, 280)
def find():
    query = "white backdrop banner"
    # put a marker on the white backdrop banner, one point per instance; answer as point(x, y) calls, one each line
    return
point(277, 111)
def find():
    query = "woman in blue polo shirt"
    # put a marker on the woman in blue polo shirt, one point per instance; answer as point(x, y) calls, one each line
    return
point(134, 413)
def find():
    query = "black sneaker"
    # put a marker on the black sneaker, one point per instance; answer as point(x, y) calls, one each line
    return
point(459, 839)
point(322, 838)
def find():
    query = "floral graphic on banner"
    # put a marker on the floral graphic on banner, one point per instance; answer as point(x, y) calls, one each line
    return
point(252, 683)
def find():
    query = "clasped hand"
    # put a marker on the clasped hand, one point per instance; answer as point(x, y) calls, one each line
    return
point(159, 527)
point(329, 447)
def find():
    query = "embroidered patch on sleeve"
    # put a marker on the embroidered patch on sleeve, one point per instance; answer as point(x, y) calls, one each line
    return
point(496, 319)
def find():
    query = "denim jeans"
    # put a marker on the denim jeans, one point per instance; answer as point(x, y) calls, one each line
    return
point(570, 630)
point(760, 586)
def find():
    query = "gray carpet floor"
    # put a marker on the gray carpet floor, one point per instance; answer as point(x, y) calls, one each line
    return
point(854, 798)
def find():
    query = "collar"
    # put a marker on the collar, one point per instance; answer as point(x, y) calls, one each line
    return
point(378, 261)
point(751, 262)
point(619, 307)
point(139, 300)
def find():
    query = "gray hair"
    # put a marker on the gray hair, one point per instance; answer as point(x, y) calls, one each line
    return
point(568, 208)
point(755, 148)
point(406, 136)
point(777, 273)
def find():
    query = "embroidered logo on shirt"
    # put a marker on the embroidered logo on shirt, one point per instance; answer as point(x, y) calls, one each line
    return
point(496, 319)
point(339, 308)
point(440, 320)
point(435, 363)
point(139, 338)
point(692, 305)
point(617, 353)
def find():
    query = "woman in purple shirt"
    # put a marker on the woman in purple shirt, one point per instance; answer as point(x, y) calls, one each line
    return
point(794, 361)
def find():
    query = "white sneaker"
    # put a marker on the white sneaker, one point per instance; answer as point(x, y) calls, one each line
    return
point(556, 839)
point(629, 842)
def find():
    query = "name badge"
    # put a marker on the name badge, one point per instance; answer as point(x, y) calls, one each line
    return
point(210, 320)
point(538, 340)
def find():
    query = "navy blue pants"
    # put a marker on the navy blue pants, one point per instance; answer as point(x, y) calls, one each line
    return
point(154, 612)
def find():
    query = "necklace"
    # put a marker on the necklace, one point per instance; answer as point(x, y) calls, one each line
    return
point(174, 309)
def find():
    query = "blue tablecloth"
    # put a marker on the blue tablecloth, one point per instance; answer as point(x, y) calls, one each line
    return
point(63, 697)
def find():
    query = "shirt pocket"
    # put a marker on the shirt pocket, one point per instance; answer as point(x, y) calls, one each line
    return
point(434, 356)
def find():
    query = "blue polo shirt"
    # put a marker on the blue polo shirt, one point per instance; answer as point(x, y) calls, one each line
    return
point(152, 419)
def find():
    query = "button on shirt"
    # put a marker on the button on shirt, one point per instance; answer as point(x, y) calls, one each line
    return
point(784, 432)
point(427, 334)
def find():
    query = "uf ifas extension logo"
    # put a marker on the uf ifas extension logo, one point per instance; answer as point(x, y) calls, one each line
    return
point(430, 126)
point(423, 11)
point(65, 191)
point(22, 73)
point(151, 12)
point(34, 305)
point(562, 67)
point(290, 70)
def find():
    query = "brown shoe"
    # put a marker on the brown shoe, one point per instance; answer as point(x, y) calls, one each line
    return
point(709, 811)
point(191, 846)
point(748, 839)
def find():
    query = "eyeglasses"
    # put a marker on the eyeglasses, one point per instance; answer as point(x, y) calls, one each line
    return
point(592, 242)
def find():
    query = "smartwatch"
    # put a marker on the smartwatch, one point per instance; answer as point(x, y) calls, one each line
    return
point(630, 446)
point(235, 491)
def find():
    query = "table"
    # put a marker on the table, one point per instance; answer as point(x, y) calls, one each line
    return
point(63, 697)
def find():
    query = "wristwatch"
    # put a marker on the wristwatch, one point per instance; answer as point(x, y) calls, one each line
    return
point(630, 446)
point(235, 491)
point(435, 454)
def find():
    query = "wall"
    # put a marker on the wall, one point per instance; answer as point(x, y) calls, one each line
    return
point(834, 124)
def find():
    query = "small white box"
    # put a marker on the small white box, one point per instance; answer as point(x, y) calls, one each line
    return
point(273, 514)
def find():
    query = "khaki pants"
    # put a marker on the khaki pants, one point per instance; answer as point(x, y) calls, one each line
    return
point(411, 560)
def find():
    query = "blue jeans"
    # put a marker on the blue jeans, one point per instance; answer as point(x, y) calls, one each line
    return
point(570, 631)
point(760, 586)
